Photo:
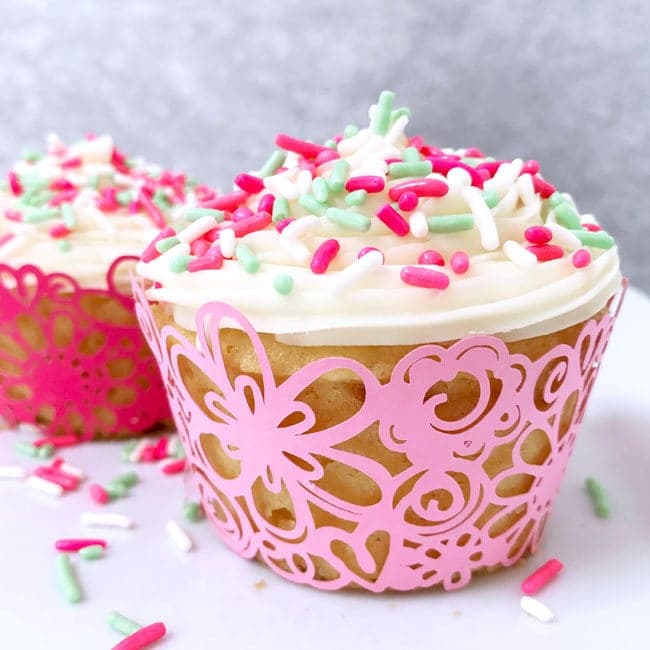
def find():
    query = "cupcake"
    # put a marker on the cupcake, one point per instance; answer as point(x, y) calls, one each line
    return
point(379, 358)
point(72, 221)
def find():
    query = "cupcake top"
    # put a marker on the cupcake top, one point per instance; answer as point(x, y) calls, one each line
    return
point(75, 209)
point(377, 238)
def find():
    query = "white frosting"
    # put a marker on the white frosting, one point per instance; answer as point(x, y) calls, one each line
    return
point(504, 291)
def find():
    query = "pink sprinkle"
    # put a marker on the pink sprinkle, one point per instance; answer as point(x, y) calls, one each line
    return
point(420, 186)
point(431, 257)
point(371, 184)
point(13, 215)
point(308, 166)
point(591, 227)
point(249, 183)
point(199, 247)
point(134, 207)
point(367, 249)
point(491, 166)
point(62, 184)
point(302, 147)
point(150, 252)
point(483, 173)
point(59, 231)
point(174, 467)
point(473, 152)
point(427, 278)
point(108, 199)
point(6, 238)
point(325, 156)
point(542, 187)
point(151, 209)
point(393, 219)
point(324, 255)
point(408, 201)
point(459, 262)
point(14, 184)
point(74, 545)
point(546, 252)
point(530, 167)
point(228, 202)
point(242, 213)
point(204, 193)
point(118, 160)
point(98, 494)
point(538, 235)
point(142, 638)
point(57, 441)
point(258, 222)
point(542, 576)
point(581, 258)
point(160, 449)
point(213, 235)
point(442, 165)
point(283, 223)
point(70, 163)
point(63, 197)
point(266, 203)
point(66, 481)
point(205, 263)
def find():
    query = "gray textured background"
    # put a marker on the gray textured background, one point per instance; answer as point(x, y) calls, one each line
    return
point(204, 86)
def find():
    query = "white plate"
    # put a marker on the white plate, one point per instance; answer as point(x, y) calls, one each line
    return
point(208, 598)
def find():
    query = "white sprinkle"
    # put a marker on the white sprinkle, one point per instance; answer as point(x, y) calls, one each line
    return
point(300, 227)
point(526, 190)
point(136, 453)
point(536, 609)
point(227, 242)
point(303, 182)
point(517, 254)
point(348, 146)
point(358, 158)
point(197, 229)
point(296, 249)
point(10, 472)
point(122, 180)
point(54, 143)
point(66, 468)
point(11, 246)
point(588, 218)
point(280, 184)
point(397, 129)
point(84, 205)
point(458, 178)
point(108, 519)
point(179, 536)
point(361, 267)
point(418, 225)
point(484, 219)
point(507, 204)
point(97, 150)
point(45, 486)
point(563, 237)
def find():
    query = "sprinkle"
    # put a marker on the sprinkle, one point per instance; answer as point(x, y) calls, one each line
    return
point(228, 202)
point(348, 219)
point(546, 252)
point(27, 449)
point(124, 197)
point(382, 112)
point(491, 198)
point(431, 257)
point(68, 215)
point(371, 261)
point(74, 545)
point(193, 511)
point(459, 262)
point(566, 215)
point(326, 156)
point(542, 576)
point(537, 610)
point(205, 263)
point(598, 497)
point(427, 278)
point(59, 231)
point(135, 454)
point(517, 254)
point(151, 209)
point(283, 283)
point(53, 475)
point(598, 239)
point(458, 178)
point(128, 479)
point(108, 519)
point(266, 203)
point(368, 249)
point(257, 222)
point(14, 184)
point(144, 637)
point(179, 536)
point(563, 237)
point(418, 225)
point(450, 223)
point(178, 263)
point(273, 163)
point(122, 624)
point(193, 214)
point(372, 184)
point(320, 190)
point(198, 228)
point(60, 464)
point(280, 209)
point(406, 169)
point(391, 218)
point(356, 198)
point(538, 235)
point(92, 552)
point(10, 472)
point(581, 258)
point(338, 176)
point(324, 255)
point(312, 205)
point(247, 258)
point(151, 252)
point(484, 218)
point(67, 579)
point(98, 494)
point(542, 187)
point(173, 466)
point(408, 201)
point(556, 199)
point(38, 215)
point(350, 130)
point(163, 245)
point(71, 163)
point(300, 227)
point(330, 144)
point(249, 183)
point(526, 190)
point(421, 187)
point(301, 147)
point(399, 112)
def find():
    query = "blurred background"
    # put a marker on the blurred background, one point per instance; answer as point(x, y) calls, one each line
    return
point(204, 86)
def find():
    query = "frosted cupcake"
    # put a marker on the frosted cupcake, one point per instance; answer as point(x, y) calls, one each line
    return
point(72, 359)
point(379, 357)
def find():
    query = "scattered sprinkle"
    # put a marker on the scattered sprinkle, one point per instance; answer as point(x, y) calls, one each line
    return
point(67, 579)
point(540, 577)
point(122, 624)
point(598, 497)
point(180, 538)
point(537, 610)
point(107, 519)
point(142, 638)
point(193, 511)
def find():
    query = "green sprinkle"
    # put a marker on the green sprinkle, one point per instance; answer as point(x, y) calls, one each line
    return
point(350, 130)
point(36, 197)
point(33, 181)
point(122, 624)
point(451, 223)
point(92, 552)
point(193, 511)
point(330, 144)
point(180, 452)
point(64, 245)
point(348, 219)
point(598, 497)
point(491, 198)
point(472, 162)
point(358, 197)
point(67, 580)
point(567, 216)
point(128, 479)
point(283, 283)
point(127, 449)
point(383, 111)
point(163, 245)
point(37, 215)
point(130, 163)
point(124, 197)
point(274, 161)
point(46, 451)
point(68, 215)
point(178, 263)
point(319, 187)
point(280, 209)
point(160, 199)
point(116, 490)
point(599, 239)
point(247, 258)
point(555, 199)
point(192, 214)
point(398, 112)
point(32, 156)
point(411, 154)
point(312, 206)
point(340, 171)
point(93, 181)
point(27, 449)
point(403, 169)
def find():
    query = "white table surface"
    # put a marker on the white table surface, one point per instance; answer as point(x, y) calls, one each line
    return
point(208, 598)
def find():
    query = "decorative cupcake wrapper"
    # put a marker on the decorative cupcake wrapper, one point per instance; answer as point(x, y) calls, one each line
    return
point(431, 540)
point(64, 368)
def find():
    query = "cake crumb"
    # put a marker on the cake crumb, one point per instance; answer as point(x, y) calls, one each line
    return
point(260, 584)
point(456, 613)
